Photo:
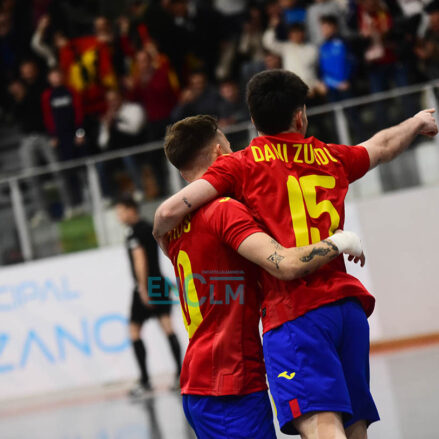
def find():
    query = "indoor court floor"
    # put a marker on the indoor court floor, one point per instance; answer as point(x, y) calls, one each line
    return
point(405, 384)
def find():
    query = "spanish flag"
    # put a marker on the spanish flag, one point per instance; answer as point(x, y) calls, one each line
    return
point(88, 66)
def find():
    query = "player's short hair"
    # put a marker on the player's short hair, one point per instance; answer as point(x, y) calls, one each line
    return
point(186, 138)
point(273, 96)
point(127, 201)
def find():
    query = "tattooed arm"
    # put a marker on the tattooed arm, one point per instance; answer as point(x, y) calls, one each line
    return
point(172, 211)
point(293, 263)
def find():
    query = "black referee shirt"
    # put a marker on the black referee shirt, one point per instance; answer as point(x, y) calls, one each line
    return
point(140, 234)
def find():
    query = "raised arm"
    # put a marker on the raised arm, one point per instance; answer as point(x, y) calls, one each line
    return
point(389, 143)
point(270, 43)
point(172, 211)
point(293, 263)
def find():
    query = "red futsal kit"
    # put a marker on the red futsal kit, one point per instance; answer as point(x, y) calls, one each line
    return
point(220, 301)
point(316, 334)
point(295, 188)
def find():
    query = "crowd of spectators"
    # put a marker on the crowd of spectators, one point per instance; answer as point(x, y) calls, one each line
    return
point(78, 82)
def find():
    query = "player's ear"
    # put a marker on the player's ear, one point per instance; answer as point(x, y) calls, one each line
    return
point(298, 120)
point(217, 150)
point(253, 122)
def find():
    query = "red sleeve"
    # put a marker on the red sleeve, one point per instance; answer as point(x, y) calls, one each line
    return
point(47, 112)
point(225, 175)
point(231, 221)
point(355, 159)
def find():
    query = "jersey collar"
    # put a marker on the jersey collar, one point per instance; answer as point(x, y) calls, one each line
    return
point(284, 137)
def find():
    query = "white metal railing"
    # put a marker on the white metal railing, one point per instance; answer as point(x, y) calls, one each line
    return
point(175, 182)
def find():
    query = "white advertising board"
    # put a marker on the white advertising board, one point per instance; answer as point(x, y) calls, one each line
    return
point(63, 324)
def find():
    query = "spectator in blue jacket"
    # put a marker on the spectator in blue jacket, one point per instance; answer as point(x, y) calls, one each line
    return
point(334, 61)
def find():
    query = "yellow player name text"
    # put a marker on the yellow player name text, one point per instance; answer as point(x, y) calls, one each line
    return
point(296, 153)
point(184, 227)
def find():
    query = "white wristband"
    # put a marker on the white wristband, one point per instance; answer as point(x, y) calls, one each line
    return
point(347, 242)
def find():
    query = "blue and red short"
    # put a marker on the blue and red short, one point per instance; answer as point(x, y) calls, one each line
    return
point(230, 417)
point(320, 362)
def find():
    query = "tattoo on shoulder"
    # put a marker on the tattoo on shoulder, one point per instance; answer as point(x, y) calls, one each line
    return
point(275, 259)
point(277, 246)
point(185, 201)
point(321, 251)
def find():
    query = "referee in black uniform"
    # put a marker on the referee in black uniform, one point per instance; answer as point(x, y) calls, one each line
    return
point(143, 255)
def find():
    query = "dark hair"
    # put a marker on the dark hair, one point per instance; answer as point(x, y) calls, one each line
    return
point(296, 27)
point(329, 19)
point(128, 202)
point(273, 96)
point(187, 137)
point(198, 71)
point(226, 81)
point(432, 7)
point(16, 81)
point(53, 70)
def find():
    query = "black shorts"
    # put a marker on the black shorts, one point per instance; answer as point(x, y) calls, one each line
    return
point(140, 313)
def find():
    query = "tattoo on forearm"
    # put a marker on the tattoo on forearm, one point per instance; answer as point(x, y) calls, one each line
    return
point(321, 251)
point(331, 244)
point(315, 252)
point(277, 246)
point(275, 259)
point(185, 201)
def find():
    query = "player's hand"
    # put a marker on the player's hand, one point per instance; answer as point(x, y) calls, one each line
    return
point(429, 126)
point(143, 292)
point(350, 244)
point(361, 259)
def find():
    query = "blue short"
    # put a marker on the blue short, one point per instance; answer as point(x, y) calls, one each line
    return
point(320, 362)
point(230, 417)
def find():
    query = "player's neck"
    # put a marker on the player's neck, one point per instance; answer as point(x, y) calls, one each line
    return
point(193, 174)
point(289, 131)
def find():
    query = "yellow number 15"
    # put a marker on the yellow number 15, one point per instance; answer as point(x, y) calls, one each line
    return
point(303, 197)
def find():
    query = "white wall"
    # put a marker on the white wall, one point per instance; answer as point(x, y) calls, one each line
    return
point(401, 237)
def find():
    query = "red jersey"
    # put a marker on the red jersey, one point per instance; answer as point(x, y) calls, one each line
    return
point(220, 301)
point(296, 188)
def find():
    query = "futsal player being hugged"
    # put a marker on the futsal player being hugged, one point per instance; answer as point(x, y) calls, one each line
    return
point(143, 257)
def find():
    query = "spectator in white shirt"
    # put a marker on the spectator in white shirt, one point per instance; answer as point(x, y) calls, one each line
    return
point(121, 126)
point(298, 56)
